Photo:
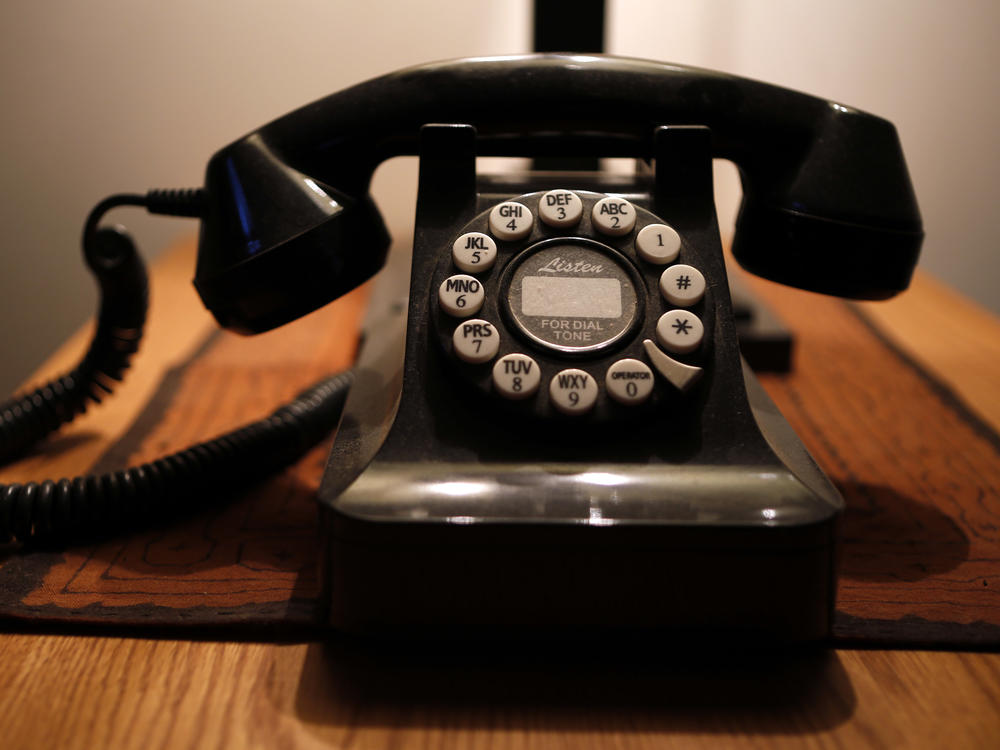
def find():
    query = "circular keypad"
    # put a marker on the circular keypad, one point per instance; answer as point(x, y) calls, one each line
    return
point(563, 275)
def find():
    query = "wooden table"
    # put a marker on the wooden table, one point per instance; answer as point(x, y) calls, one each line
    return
point(97, 691)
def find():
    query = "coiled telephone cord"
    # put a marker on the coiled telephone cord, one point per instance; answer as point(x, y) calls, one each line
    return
point(76, 509)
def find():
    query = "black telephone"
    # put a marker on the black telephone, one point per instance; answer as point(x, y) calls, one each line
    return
point(557, 430)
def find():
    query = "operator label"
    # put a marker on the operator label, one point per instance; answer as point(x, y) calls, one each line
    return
point(629, 381)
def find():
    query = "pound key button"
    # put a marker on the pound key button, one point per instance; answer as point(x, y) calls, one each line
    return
point(461, 295)
point(573, 391)
point(629, 381)
point(516, 376)
point(511, 221)
point(613, 216)
point(476, 341)
point(682, 285)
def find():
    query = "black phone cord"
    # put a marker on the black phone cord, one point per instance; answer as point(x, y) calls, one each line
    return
point(121, 277)
point(72, 510)
point(77, 509)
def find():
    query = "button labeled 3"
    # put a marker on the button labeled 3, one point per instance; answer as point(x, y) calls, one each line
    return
point(560, 208)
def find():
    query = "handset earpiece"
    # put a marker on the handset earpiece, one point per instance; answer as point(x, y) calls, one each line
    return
point(290, 225)
point(276, 243)
point(840, 217)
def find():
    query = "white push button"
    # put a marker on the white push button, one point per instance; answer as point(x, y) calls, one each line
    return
point(682, 285)
point(614, 216)
point(516, 376)
point(629, 381)
point(560, 208)
point(461, 295)
point(676, 373)
point(658, 243)
point(511, 221)
point(474, 252)
point(573, 391)
point(679, 331)
point(476, 341)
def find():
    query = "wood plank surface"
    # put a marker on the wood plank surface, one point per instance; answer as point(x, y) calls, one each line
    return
point(75, 692)
point(78, 691)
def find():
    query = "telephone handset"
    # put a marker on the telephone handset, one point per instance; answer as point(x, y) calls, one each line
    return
point(556, 430)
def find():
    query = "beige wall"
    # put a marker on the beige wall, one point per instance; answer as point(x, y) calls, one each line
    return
point(107, 96)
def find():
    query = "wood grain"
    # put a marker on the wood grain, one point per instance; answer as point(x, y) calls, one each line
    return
point(74, 692)
point(949, 335)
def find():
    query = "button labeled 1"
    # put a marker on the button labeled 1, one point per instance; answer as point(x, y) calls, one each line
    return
point(658, 243)
point(573, 391)
point(476, 341)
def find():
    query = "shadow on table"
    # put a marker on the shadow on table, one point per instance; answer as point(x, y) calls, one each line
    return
point(888, 536)
point(592, 686)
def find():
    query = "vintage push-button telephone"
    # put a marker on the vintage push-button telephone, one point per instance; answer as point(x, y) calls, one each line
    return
point(556, 431)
